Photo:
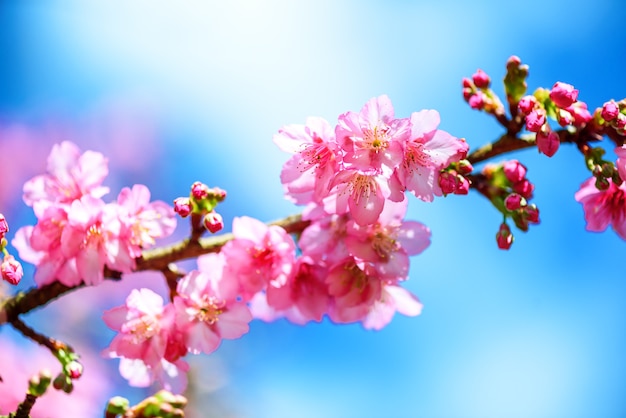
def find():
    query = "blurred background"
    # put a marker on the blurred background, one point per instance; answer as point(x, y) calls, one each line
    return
point(173, 92)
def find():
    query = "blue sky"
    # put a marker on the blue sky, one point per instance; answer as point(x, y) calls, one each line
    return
point(534, 332)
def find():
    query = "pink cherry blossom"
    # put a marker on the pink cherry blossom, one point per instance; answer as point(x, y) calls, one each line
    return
point(387, 244)
point(363, 194)
point(170, 376)
point(204, 317)
point(393, 299)
point(305, 293)
point(71, 175)
point(260, 255)
point(142, 221)
point(426, 152)
point(372, 139)
point(141, 326)
point(603, 207)
point(307, 174)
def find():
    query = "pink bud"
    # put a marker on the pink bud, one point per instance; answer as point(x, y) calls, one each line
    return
point(548, 142)
point(524, 188)
point(610, 110)
point(620, 121)
point(514, 171)
point(504, 238)
point(563, 95)
point(447, 181)
point(217, 194)
point(4, 226)
point(532, 214)
point(513, 61)
point(464, 167)
point(580, 113)
point(75, 370)
point(535, 120)
point(467, 83)
point(213, 222)
point(199, 190)
point(564, 118)
point(467, 94)
point(514, 201)
point(11, 270)
point(477, 101)
point(481, 79)
point(182, 206)
point(526, 104)
point(462, 185)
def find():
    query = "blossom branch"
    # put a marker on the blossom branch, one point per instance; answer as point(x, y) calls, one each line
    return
point(155, 259)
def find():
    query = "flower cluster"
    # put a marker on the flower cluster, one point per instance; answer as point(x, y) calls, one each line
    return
point(560, 103)
point(77, 234)
point(508, 189)
point(353, 178)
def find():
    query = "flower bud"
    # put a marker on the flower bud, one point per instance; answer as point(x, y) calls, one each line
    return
point(182, 206)
point(11, 270)
point(199, 190)
point(38, 384)
point(564, 118)
point(620, 121)
point(526, 104)
point(447, 182)
point(462, 185)
point(524, 188)
point(514, 171)
point(117, 406)
point(535, 120)
point(213, 222)
point(477, 101)
point(464, 167)
point(563, 95)
point(504, 238)
point(532, 214)
point(74, 369)
point(580, 113)
point(4, 226)
point(481, 79)
point(514, 201)
point(610, 110)
point(217, 194)
point(548, 142)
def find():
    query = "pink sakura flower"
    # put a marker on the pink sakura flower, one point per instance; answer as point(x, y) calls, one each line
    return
point(305, 295)
point(259, 256)
point(603, 207)
point(307, 174)
point(387, 244)
point(91, 240)
point(362, 194)
point(324, 239)
point(71, 175)
point(393, 299)
point(147, 341)
point(372, 139)
point(142, 328)
point(142, 221)
point(204, 316)
point(426, 152)
point(353, 286)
